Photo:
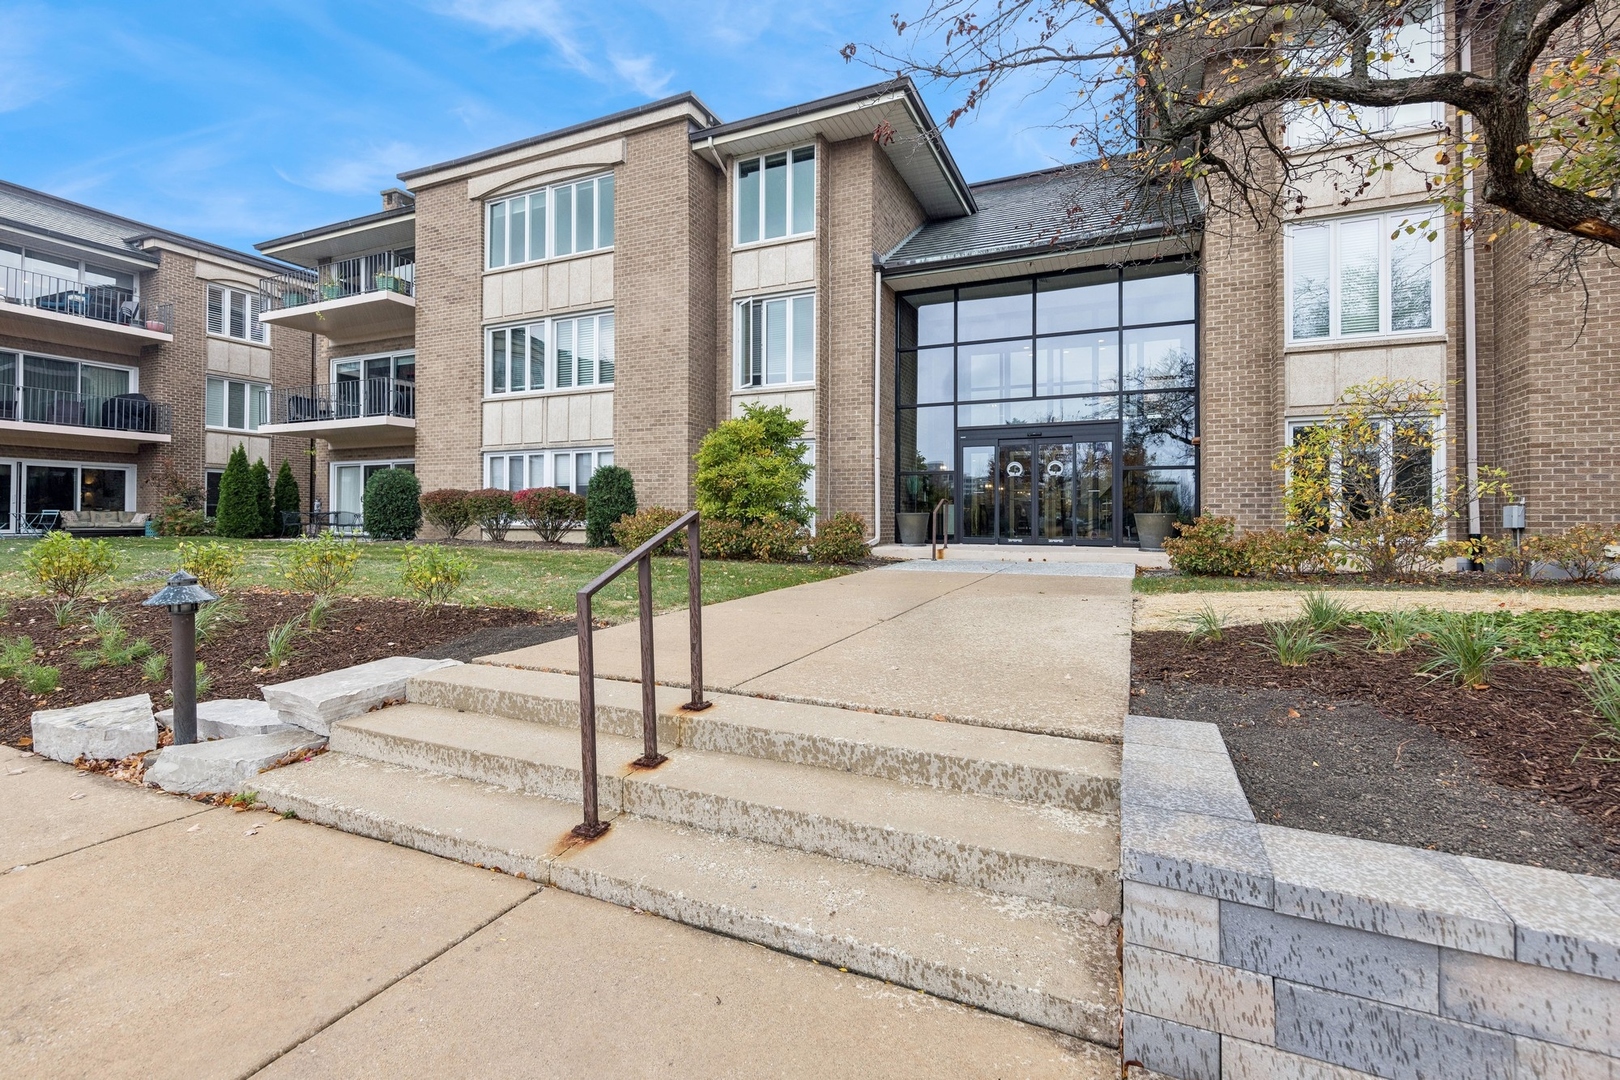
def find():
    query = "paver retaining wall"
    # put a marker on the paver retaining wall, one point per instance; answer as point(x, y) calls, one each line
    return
point(1254, 952)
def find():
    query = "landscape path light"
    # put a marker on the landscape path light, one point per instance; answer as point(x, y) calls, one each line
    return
point(183, 596)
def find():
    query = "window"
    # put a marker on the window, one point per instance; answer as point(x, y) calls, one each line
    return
point(776, 195)
point(1409, 470)
point(1413, 48)
point(570, 469)
point(48, 273)
point(581, 355)
point(49, 486)
point(775, 341)
point(564, 219)
point(235, 405)
point(234, 313)
point(211, 479)
point(1351, 277)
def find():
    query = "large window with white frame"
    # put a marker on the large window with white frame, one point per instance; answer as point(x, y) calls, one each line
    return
point(234, 313)
point(236, 405)
point(1411, 471)
point(550, 222)
point(1365, 276)
point(775, 341)
point(776, 195)
point(570, 468)
point(570, 353)
point(1417, 46)
point(36, 488)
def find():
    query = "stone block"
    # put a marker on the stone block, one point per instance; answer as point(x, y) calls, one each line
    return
point(101, 730)
point(1171, 1049)
point(1355, 962)
point(1187, 780)
point(1175, 734)
point(1559, 922)
point(1386, 1040)
point(1199, 994)
point(1250, 1061)
point(225, 764)
point(1605, 889)
point(1196, 853)
point(319, 701)
point(230, 718)
point(1543, 1061)
point(1385, 888)
point(1172, 921)
point(1554, 1006)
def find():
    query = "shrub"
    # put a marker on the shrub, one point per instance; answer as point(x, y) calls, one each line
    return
point(67, 567)
point(840, 539)
point(321, 566)
point(1582, 553)
point(1466, 649)
point(238, 512)
point(180, 507)
point(432, 574)
point(610, 496)
point(1206, 547)
point(446, 510)
point(39, 679)
point(768, 541)
point(550, 511)
point(393, 504)
point(1294, 644)
point(214, 565)
point(265, 498)
point(1285, 552)
point(287, 497)
point(492, 509)
point(752, 468)
point(633, 530)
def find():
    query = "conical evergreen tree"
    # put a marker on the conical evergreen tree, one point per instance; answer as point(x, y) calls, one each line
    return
point(265, 501)
point(287, 498)
point(238, 513)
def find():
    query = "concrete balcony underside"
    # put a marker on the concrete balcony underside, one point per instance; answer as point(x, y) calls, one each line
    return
point(354, 433)
point(61, 328)
point(370, 316)
point(72, 437)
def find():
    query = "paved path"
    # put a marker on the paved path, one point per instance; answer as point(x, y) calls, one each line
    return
point(1169, 611)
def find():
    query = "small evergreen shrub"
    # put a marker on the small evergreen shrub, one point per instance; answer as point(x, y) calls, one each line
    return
point(492, 509)
point(752, 468)
point(67, 567)
point(287, 497)
point(432, 574)
point(393, 505)
point(1206, 546)
point(775, 540)
point(321, 566)
point(840, 539)
point(611, 495)
point(238, 513)
point(549, 511)
point(216, 566)
point(446, 509)
point(633, 530)
point(265, 498)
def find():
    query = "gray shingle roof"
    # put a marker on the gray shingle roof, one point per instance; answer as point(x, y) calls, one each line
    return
point(1075, 206)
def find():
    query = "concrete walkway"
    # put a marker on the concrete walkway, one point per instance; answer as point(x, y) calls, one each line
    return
point(149, 936)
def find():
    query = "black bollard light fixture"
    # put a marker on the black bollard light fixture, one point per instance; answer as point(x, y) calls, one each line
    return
point(183, 596)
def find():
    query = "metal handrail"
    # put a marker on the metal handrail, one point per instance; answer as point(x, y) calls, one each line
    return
point(641, 559)
point(939, 540)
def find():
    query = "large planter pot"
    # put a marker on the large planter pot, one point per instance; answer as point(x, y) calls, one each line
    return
point(913, 527)
point(1153, 529)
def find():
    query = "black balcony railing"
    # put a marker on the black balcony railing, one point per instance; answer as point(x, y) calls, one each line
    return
point(123, 412)
point(352, 399)
point(101, 303)
point(383, 271)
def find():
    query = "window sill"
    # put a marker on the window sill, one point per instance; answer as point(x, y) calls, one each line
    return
point(775, 241)
point(525, 395)
point(1372, 341)
point(234, 431)
point(238, 341)
point(773, 388)
point(555, 259)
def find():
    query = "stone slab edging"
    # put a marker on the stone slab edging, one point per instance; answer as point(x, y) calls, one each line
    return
point(1254, 951)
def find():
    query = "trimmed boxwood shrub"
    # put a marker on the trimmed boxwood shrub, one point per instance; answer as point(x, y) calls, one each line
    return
point(611, 496)
point(238, 514)
point(446, 509)
point(393, 505)
point(492, 510)
point(752, 468)
point(775, 540)
point(840, 539)
point(549, 511)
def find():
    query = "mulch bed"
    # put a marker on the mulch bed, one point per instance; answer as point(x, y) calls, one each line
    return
point(355, 631)
point(1363, 744)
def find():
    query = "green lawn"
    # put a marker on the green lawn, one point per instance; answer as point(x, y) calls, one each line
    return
point(503, 576)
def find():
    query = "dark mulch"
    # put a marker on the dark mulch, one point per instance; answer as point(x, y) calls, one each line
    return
point(355, 631)
point(1362, 744)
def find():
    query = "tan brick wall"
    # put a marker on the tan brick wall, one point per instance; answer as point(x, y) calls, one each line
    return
point(449, 338)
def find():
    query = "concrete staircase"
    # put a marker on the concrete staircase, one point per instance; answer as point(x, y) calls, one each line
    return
point(973, 863)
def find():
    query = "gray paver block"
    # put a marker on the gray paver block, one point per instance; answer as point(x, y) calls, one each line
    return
point(1188, 780)
point(228, 718)
point(1386, 1040)
point(101, 730)
point(1199, 994)
point(1388, 969)
point(1250, 1061)
point(1556, 1006)
point(1172, 921)
point(1176, 734)
point(225, 764)
point(1539, 1060)
point(1213, 856)
point(1560, 922)
point(319, 701)
point(1172, 1049)
point(1605, 889)
point(1388, 889)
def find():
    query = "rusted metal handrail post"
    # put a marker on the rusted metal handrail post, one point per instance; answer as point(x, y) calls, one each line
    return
point(592, 826)
point(938, 538)
point(649, 686)
point(694, 606)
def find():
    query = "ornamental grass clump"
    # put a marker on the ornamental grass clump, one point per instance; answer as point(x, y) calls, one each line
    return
point(1296, 643)
point(1323, 613)
point(433, 575)
point(1465, 649)
point(15, 654)
point(113, 647)
point(1394, 631)
point(279, 642)
point(1603, 692)
point(1206, 624)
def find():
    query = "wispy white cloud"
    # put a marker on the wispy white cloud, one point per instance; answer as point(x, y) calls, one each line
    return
point(642, 73)
point(29, 72)
point(355, 169)
point(542, 19)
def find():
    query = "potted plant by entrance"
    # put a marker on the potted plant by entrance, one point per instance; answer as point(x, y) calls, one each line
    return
point(1153, 526)
point(918, 495)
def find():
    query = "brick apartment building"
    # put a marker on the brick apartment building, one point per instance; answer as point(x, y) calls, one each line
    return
point(129, 355)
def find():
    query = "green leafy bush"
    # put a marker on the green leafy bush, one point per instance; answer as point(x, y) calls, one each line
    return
point(633, 530)
point(1582, 552)
point(549, 511)
point(39, 680)
point(238, 513)
point(67, 567)
point(321, 566)
point(840, 539)
point(216, 566)
point(610, 496)
point(446, 509)
point(1211, 546)
point(1207, 546)
point(492, 509)
point(287, 497)
point(265, 497)
point(768, 541)
point(393, 504)
point(180, 509)
point(752, 468)
point(432, 574)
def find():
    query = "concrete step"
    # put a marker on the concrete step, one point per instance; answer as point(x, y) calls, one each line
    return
point(1075, 773)
point(1034, 961)
point(1048, 853)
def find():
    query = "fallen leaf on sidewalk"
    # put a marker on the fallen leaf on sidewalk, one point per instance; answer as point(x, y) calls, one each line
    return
point(16, 772)
point(76, 795)
point(195, 827)
point(252, 832)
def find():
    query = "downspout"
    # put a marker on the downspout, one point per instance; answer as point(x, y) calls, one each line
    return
point(877, 401)
point(312, 438)
point(1470, 337)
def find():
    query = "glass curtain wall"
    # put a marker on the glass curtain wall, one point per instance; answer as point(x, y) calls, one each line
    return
point(1109, 353)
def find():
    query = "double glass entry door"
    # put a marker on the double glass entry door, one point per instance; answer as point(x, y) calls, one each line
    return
point(1039, 491)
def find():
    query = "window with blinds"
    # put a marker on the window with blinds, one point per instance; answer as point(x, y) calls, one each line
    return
point(775, 341)
point(1364, 276)
point(234, 313)
point(553, 354)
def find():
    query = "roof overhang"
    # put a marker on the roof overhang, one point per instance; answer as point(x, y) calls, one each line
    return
point(123, 257)
point(1026, 262)
point(355, 433)
point(388, 231)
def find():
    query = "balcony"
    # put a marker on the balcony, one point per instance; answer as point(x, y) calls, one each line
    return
point(352, 414)
point(58, 418)
point(364, 298)
point(35, 305)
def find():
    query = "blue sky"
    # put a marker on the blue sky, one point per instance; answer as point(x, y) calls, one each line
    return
point(238, 122)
